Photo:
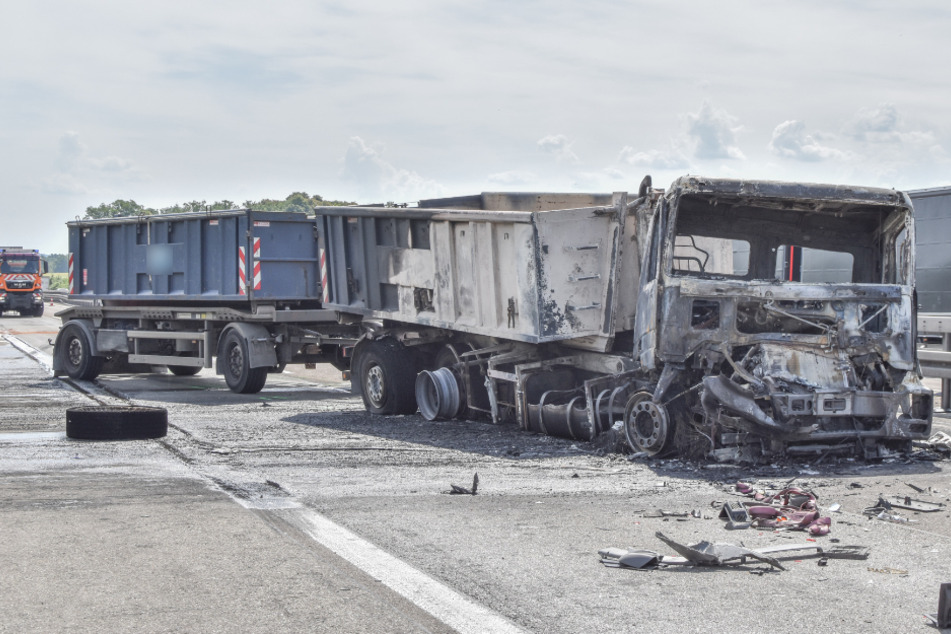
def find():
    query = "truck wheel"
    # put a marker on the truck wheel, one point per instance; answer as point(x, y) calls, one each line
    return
point(387, 373)
point(38, 311)
point(78, 360)
point(239, 375)
point(647, 425)
point(116, 423)
point(184, 370)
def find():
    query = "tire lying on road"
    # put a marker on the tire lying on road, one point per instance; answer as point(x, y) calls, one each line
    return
point(116, 423)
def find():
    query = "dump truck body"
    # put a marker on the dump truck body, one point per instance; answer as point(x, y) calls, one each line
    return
point(536, 276)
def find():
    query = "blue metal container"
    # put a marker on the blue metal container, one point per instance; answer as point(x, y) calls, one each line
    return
point(221, 256)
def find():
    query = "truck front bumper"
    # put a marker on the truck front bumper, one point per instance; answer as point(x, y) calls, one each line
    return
point(19, 301)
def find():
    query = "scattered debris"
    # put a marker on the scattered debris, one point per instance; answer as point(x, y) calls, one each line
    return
point(717, 554)
point(888, 571)
point(881, 509)
point(458, 490)
point(791, 508)
point(906, 502)
point(714, 554)
point(938, 446)
point(665, 514)
point(737, 517)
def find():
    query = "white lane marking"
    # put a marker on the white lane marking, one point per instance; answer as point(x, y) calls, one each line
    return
point(455, 610)
point(44, 359)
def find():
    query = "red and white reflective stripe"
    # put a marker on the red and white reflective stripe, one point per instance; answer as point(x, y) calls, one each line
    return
point(242, 280)
point(71, 288)
point(323, 276)
point(256, 263)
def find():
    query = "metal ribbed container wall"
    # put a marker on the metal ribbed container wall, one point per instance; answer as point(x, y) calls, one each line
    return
point(233, 256)
point(518, 274)
point(932, 241)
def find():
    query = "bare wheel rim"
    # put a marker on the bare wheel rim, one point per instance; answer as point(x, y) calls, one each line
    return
point(375, 385)
point(646, 424)
point(74, 352)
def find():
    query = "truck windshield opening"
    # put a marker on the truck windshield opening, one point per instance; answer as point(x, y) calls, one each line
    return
point(778, 242)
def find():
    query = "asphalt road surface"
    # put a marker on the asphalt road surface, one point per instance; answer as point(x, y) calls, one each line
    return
point(294, 510)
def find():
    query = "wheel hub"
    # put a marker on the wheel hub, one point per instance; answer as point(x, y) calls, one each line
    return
point(235, 360)
point(375, 386)
point(646, 424)
point(74, 351)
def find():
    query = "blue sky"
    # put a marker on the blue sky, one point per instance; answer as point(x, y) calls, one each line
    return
point(383, 101)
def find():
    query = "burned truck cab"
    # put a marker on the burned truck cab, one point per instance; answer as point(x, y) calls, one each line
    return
point(779, 318)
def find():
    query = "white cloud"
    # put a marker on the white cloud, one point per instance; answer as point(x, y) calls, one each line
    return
point(76, 168)
point(876, 129)
point(71, 151)
point(559, 146)
point(63, 184)
point(874, 124)
point(713, 133)
point(377, 179)
point(791, 141)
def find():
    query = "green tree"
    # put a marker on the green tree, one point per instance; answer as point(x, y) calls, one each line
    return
point(57, 261)
point(300, 202)
point(116, 209)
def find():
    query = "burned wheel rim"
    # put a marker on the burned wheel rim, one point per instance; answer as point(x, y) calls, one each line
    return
point(375, 385)
point(646, 424)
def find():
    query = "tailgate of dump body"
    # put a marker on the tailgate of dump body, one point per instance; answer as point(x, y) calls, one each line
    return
point(534, 276)
point(239, 255)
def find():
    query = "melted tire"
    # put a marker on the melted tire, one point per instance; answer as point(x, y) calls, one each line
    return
point(116, 423)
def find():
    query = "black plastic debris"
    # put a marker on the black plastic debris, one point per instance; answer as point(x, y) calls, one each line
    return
point(458, 490)
point(944, 606)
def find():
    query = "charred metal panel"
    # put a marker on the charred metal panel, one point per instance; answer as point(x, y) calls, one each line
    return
point(526, 276)
point(518, 201)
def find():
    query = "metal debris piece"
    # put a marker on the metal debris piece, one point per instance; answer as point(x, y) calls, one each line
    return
point(458, 490)
point(906, 502)
point(713, 554)
point(737, 517)
point(940, 438)
point(718, 554)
